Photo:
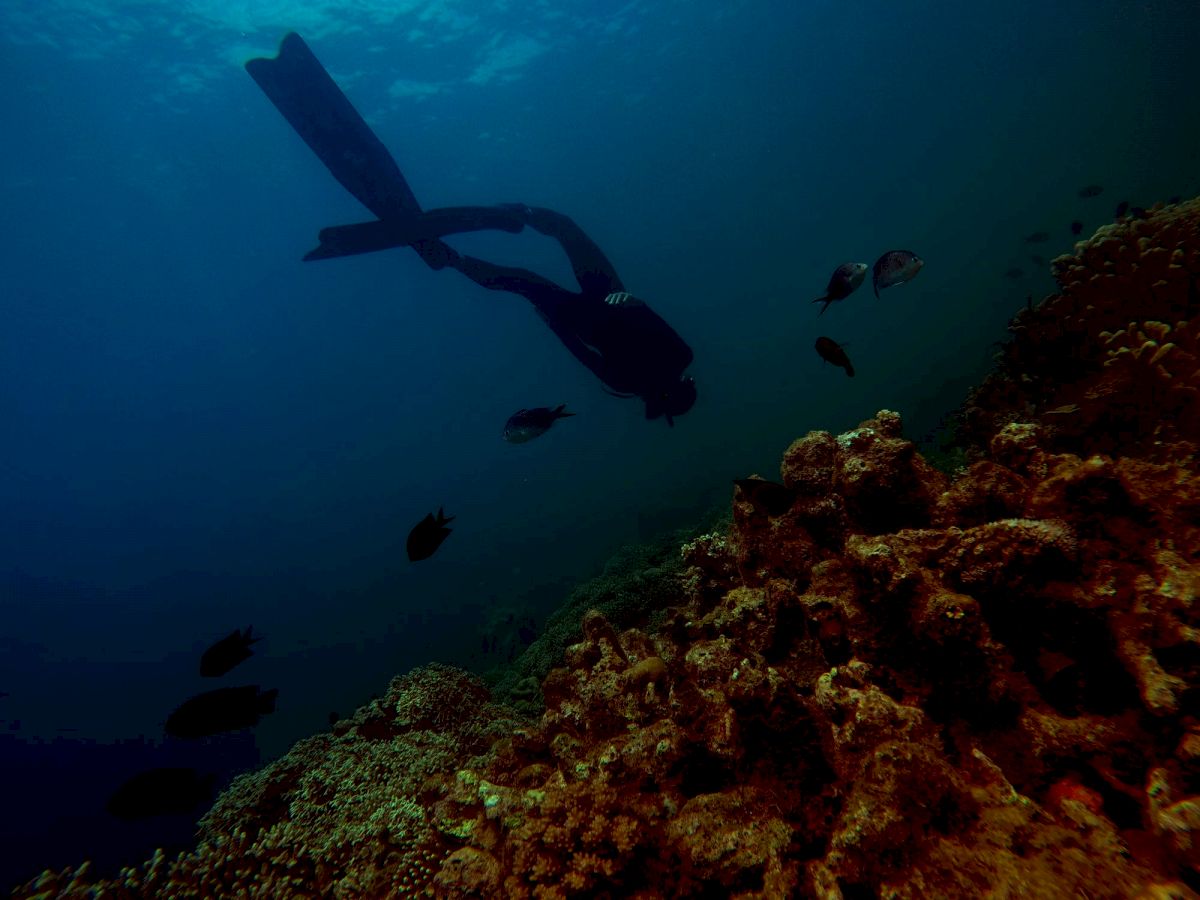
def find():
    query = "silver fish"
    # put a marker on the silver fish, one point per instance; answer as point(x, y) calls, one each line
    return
point(895, 267)
point(844, 281)
point(526, 424)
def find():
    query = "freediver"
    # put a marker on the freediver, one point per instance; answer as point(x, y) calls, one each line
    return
point(628, 346)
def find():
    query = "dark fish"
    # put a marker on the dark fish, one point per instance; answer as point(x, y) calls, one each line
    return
point(895, 267)
point(831, 351)
point(161, 792)
point(1091, 190)
point(844, 281)
point(1076, 227)
point(227, 653)
point(526, 424)
point(1037, 260)
point(1038, 237)
point(1139, 212)
point(1175, 199)
point(427, 535)
point(1014, 273)
point(772, 498)
point(225, 709)
point(1122, 208)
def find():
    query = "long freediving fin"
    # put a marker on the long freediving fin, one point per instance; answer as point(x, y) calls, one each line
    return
point(310, 100)
point(367, 237)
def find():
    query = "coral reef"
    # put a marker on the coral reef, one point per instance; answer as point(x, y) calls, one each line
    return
point(635, 586)
point(885, 682)
point(1107, 365)
point(901, 686)
point(340, 815)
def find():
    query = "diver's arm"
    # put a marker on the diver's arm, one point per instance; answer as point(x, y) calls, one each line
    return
point(596, 363)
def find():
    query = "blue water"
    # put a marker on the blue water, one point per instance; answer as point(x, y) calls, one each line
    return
point(202, 432)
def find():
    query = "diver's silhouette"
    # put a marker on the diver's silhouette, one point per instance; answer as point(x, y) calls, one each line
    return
point(630, 348)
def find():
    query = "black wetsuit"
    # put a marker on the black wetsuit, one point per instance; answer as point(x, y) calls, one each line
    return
point(627, 345)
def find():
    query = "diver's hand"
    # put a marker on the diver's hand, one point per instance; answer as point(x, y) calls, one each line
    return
point(625, 299)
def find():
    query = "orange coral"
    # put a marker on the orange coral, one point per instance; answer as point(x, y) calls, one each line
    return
point(828, 712)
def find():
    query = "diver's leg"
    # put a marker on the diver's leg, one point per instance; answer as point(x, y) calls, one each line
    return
point(541, 292)
point(593, 271)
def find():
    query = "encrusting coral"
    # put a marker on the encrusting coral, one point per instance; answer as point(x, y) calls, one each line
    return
point(885, 683)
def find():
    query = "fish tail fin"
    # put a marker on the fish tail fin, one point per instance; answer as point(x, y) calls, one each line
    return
point(849, 369)
point(266, 701)
point(442, 518)
point(560, 411)
point(826, 300)
point(875, 287)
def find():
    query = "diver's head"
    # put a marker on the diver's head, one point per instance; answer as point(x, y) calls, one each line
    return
point(673, 399)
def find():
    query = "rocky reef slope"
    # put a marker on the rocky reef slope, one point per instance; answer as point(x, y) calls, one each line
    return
point(876, 681)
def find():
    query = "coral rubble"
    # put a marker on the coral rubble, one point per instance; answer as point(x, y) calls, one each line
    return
point(891, 684)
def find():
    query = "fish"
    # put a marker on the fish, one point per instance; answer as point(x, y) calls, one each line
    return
point(161, 792)
point(526, 424)
point(427, 535)
point(1139, 212)
point(1122, 208)
point(228, 652)
point(769, 497)
point(1037, 260)
point(1038, 237)
point(1076, 227)
point(895, 267)
point(1091, 190)
point(832, 352)
point(1014, 273)
point(1175, 199)
point(845, 280)
point(225, 709)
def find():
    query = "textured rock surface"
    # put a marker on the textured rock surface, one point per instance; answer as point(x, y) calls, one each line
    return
point(1109, 364)
point(889, 684)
